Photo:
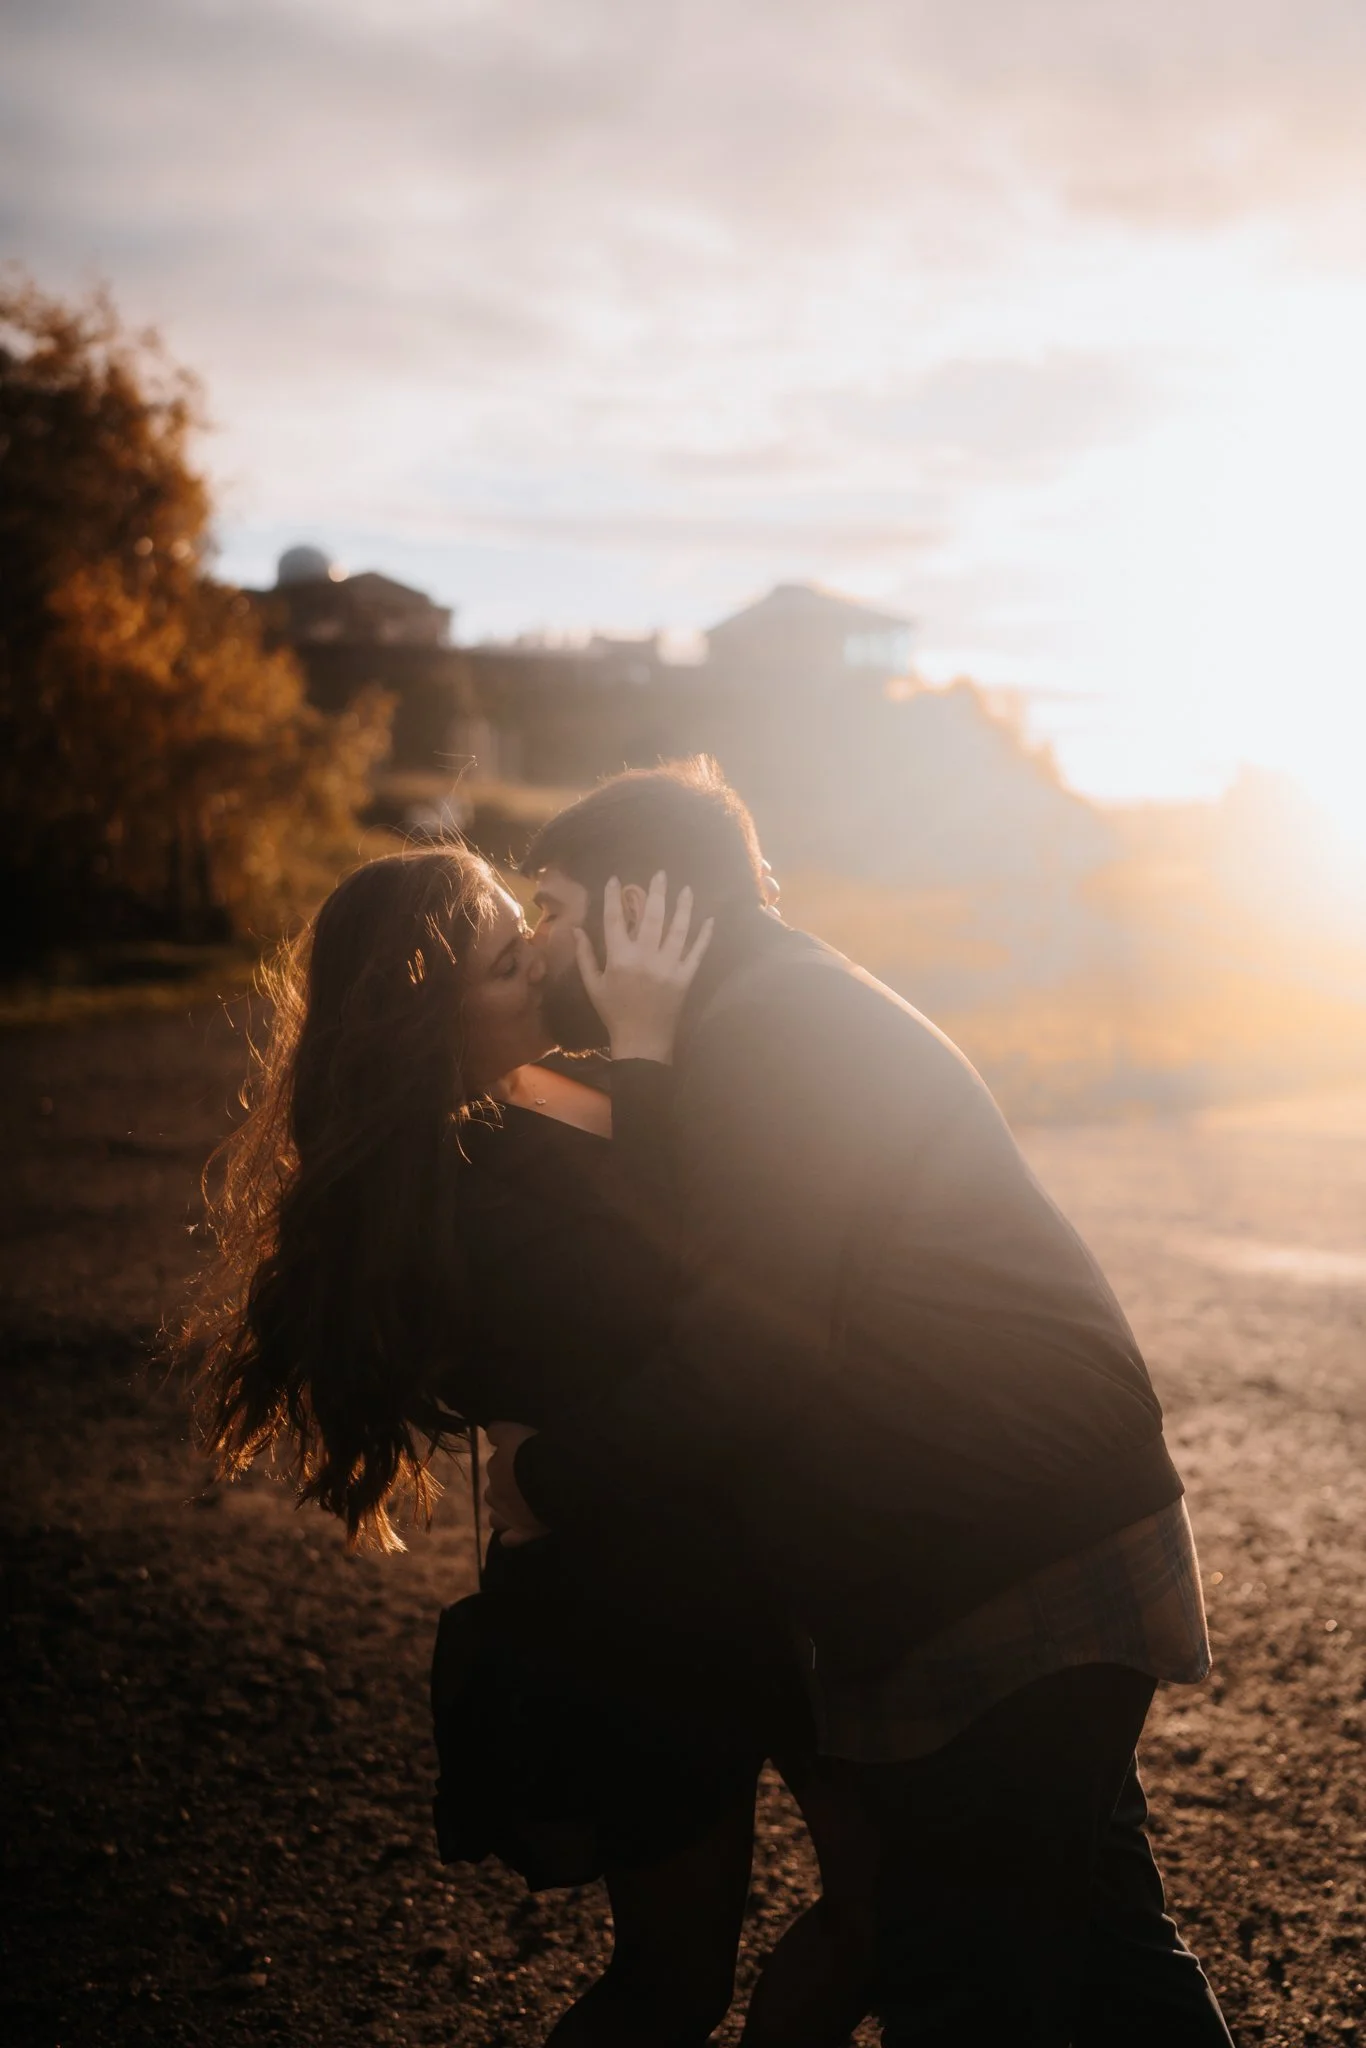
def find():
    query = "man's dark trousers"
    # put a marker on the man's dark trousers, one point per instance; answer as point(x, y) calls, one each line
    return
point(1018, 1900)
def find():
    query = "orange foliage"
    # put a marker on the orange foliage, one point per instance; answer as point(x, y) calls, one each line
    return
point(156, 765)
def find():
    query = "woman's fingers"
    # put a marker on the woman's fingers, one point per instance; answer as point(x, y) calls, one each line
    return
point(678, 927)
point(650, 947)
point(652, 916)
point(613, 919)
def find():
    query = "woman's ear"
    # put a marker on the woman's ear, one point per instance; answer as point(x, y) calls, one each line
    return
point(632, 907)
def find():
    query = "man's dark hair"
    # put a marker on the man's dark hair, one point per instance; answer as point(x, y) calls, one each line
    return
point(683, 817)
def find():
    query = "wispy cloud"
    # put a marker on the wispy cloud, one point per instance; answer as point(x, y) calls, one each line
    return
point(629, 305)
point(593, 162)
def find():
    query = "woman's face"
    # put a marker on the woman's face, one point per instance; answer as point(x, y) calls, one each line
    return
point(502, 1009)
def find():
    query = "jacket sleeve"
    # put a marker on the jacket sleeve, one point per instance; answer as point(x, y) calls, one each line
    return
point(644, 1133)
point(769, 1156)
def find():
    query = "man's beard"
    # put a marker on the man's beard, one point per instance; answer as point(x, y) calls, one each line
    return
point(569, 1014)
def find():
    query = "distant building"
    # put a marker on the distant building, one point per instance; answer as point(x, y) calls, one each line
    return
point(803, 636)
point(620, 660)
point(316, 604)
point(354, 632)
point(805, 696)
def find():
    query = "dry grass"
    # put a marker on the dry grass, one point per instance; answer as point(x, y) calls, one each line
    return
point(1148, 988)
point(1167, 997)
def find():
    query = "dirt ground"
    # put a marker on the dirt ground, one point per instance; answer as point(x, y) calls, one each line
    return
point(217, 1766)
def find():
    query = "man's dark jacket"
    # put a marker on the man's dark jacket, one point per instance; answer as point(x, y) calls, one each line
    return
point(890, 1347)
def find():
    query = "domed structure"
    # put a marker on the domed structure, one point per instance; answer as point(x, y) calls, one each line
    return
point(304, 565)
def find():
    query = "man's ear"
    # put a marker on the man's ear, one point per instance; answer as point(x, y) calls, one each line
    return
point(632, 906)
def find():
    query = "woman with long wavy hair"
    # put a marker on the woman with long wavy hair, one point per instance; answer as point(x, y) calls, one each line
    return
point(422, 1230)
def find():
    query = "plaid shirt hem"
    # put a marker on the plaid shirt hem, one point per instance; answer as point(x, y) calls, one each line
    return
point(1132, 1599)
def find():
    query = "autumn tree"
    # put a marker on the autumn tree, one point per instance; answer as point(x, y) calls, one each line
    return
point(160, 770)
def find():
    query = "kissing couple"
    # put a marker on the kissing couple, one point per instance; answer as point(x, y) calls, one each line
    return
point(818, 1435)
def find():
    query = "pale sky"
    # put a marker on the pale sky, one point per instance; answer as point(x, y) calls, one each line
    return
point(1042, 321)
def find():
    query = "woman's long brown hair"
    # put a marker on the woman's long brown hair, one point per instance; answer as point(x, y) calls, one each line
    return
point(329, 1325)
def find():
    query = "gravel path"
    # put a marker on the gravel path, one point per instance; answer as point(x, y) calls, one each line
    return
point(217, 1767)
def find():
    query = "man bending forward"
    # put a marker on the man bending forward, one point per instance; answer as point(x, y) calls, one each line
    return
point(903, 1365)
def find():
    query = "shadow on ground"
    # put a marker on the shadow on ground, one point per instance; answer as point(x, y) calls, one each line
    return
point(217, 1765)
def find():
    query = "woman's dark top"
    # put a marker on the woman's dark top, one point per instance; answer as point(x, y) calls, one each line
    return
point(571, 1246)
point(570, 1242)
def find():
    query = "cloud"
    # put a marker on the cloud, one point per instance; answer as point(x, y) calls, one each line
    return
point(1169, 112)
point(577, 149)
point(598, 275)
point(1005, 419)
point(442, 189)
point(811, 532)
